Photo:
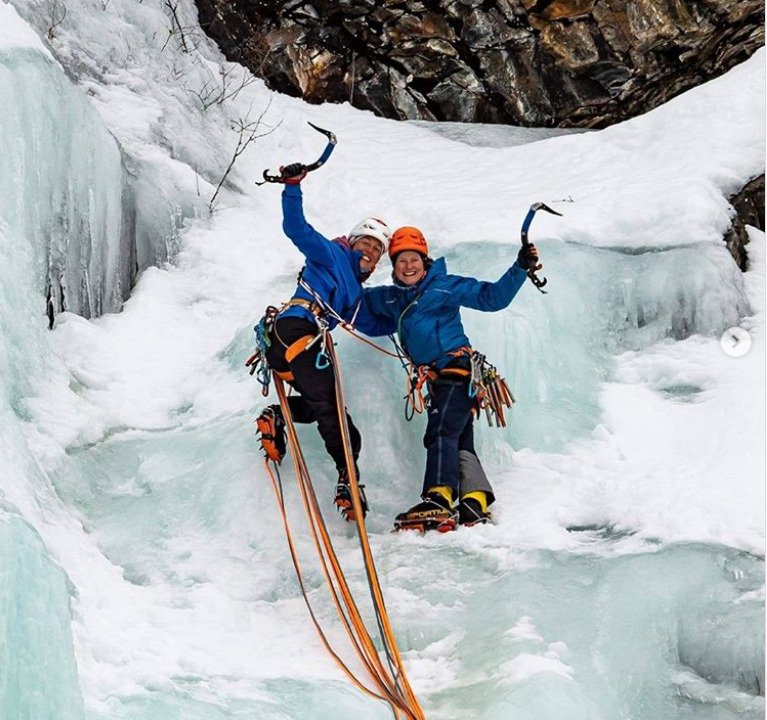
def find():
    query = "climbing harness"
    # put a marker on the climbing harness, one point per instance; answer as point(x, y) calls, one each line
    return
point(332, 141)
point(486, 385)
point(389, 680)
point(265, 329)
point(534, 208)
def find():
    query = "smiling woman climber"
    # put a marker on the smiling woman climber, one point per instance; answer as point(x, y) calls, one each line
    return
point(423, 307)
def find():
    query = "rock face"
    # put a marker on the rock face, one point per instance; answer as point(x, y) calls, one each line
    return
point(567, 63)
point(749, 206)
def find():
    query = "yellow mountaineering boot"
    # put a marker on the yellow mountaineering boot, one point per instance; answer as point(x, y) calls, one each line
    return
point(472, 510)
point(434, 512)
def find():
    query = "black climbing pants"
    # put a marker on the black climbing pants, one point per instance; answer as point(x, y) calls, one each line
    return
point(317, 387)
point(451, 459)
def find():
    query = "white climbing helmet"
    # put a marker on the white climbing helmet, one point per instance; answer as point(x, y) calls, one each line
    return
point(371, 227)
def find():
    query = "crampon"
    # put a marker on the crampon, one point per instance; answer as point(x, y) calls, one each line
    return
point(343, 499)
point(433, 513)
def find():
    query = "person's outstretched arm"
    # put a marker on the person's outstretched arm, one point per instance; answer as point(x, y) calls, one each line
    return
point(312, 244)
point(494, 296)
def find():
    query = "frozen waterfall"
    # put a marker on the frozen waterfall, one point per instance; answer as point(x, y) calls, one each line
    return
point(143, 571)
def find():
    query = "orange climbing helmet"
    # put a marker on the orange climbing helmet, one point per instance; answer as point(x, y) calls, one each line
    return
point(407, 238)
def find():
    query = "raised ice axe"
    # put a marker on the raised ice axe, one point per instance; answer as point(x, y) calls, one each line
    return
point(332, 141)
point(534, 208)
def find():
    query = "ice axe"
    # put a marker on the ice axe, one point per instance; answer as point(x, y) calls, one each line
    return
point(332, 141)
point(534, 208)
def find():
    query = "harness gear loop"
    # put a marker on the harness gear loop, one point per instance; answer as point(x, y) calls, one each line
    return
point(490, 390)
point(257, 361)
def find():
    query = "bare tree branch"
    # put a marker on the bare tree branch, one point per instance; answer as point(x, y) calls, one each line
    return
point(176, 24)
point(58, 15)
point(216, 92)
point(248, 131)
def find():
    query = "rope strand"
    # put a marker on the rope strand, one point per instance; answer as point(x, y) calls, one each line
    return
point(390, 682)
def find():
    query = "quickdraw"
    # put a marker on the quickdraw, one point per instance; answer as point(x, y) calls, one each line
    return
point(332, 142)
point(531, 273)
point(257, 361)
point(490, 389)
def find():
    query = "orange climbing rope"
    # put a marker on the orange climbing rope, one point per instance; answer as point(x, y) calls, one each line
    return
point(389, 681)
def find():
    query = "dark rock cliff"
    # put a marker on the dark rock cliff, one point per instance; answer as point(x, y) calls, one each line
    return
point(567, 63)
point(749, 208)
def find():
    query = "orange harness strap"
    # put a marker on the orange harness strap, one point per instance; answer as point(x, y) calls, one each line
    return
point(296, 348)
point(457, 372)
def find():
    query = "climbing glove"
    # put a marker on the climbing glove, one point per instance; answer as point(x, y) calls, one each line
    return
point(293, 174)
point(528, 258)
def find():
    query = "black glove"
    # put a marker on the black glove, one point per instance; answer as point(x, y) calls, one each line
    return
point(528, 258)
point(293, 174)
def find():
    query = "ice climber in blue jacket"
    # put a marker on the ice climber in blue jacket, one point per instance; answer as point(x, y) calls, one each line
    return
point(329, 288)
point(423, 308)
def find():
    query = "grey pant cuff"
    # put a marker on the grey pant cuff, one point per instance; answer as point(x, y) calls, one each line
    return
point(472, 476)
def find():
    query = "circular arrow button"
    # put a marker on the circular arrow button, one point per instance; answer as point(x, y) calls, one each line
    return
point(736, 342)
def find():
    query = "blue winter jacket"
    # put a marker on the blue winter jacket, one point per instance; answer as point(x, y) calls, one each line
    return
point(332, 268)
point(427, 317)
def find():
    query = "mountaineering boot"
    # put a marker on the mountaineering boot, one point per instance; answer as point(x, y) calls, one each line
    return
point(471, 512)
point(435, 512)
point(343, 499)
point(271, 426)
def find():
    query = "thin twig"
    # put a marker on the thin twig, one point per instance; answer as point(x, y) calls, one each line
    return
point(173, 7)
point(54, 22)
point(247, 132)
point(213, 93)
